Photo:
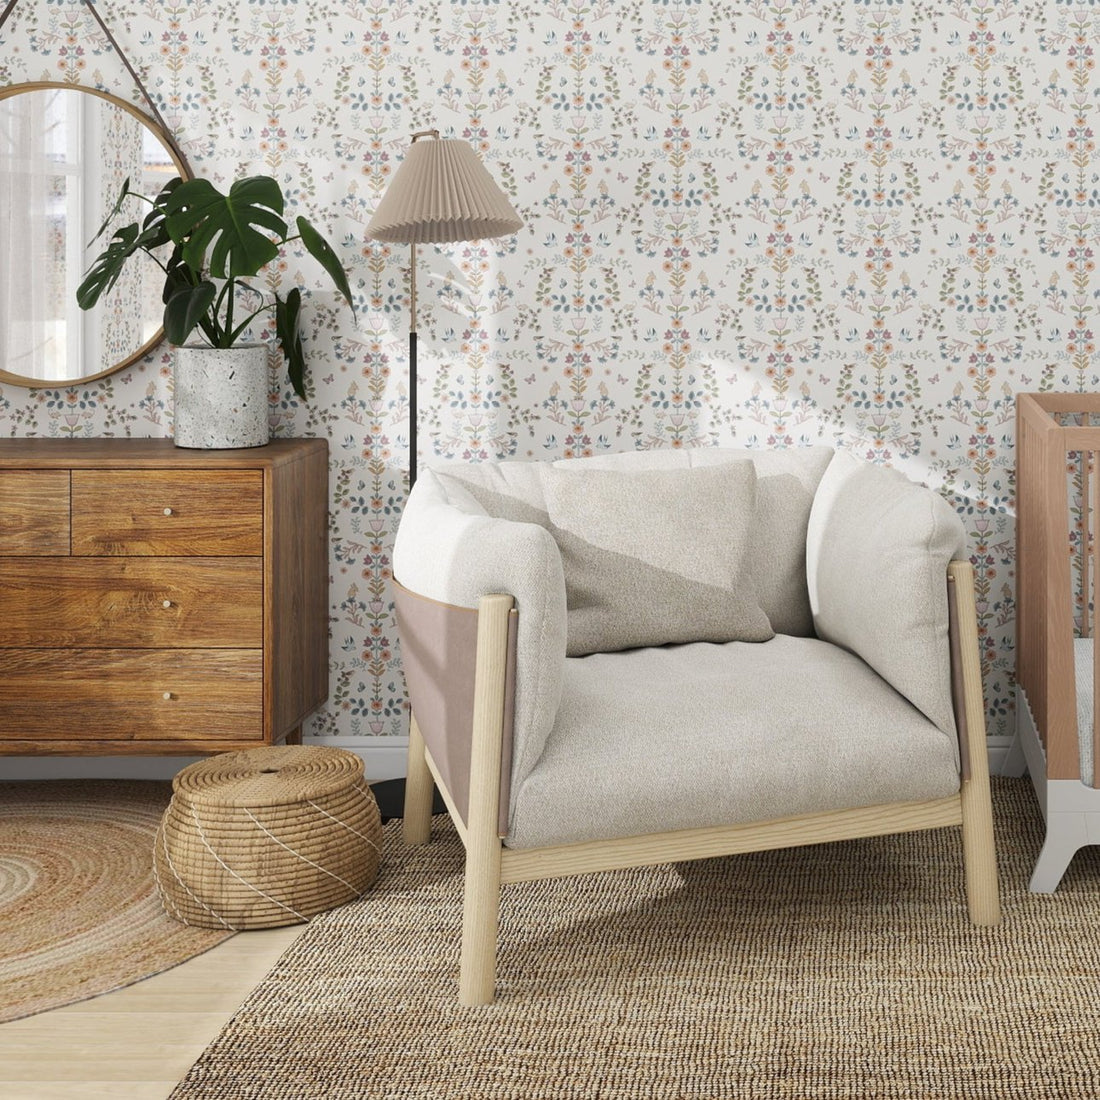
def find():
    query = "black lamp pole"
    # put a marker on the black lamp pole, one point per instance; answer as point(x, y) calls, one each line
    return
point(412, 366)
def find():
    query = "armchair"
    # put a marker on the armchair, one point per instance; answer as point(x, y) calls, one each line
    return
point(664, 656)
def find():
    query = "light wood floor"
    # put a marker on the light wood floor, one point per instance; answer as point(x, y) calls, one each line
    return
point(138, 1043)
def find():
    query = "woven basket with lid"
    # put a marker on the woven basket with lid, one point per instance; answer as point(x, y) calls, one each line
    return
point(267, 837)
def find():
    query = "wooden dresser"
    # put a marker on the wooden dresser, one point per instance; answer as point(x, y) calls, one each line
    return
point(160, 600)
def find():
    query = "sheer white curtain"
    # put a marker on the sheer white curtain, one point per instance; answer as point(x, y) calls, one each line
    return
point(32, 241)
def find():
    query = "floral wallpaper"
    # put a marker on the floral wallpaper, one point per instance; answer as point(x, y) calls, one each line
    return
point(757, 223)
point(124, 312)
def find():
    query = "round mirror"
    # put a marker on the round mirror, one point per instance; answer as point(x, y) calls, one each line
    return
point(65, 153)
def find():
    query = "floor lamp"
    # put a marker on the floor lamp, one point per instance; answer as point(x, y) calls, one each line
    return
point(440, 194)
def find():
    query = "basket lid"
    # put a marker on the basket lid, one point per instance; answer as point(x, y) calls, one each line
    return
point(272, 775)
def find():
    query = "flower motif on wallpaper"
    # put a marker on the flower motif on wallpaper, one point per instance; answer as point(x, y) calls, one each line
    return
point(677, 387)
point(577, 285)
point(473, 385)
point(879, 384)
point(777, 290)
point(1069, 186)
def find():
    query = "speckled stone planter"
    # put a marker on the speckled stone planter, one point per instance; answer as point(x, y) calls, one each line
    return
point(221, 396)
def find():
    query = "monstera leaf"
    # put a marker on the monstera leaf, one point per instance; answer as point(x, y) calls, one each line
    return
point(321, 251)
point(185, 309)
point(105, 271)
point(222, 233)
point(124, 243)
point(287, 312)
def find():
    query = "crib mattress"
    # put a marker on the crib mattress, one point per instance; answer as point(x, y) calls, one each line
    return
point(1082, 668)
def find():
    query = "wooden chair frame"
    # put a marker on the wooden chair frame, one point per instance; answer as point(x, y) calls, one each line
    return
point(489, 864)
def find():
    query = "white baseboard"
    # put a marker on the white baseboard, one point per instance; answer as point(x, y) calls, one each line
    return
point(998, 750)
point(383, 758)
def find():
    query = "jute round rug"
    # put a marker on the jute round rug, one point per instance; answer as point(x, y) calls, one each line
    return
point(79, 914)
point(843, 970)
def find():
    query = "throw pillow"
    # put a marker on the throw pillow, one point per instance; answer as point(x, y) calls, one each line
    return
point(653, 557)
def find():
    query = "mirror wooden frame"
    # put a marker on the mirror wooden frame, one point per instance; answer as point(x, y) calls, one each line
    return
point(182, 167)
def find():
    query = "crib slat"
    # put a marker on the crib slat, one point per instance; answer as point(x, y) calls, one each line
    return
point(1060, 704)
point(1029, 641)
point(1083, 547)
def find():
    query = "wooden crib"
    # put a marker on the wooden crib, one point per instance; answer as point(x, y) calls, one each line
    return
point(1057, 663)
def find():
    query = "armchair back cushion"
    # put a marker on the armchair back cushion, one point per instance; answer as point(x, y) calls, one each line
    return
point(877, 551)
point(507, 490)
point(785, 485)
point(440, 553)
point(656, 557)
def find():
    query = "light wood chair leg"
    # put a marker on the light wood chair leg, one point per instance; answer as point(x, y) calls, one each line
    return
point(416, 828)
point(979, 854)
point(480, 918)
point(481, 900)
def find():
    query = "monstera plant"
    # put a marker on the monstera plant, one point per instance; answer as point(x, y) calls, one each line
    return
point(208, 244)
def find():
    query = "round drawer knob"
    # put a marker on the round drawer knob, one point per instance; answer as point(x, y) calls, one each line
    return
point(167, 695)
point(166, 604)
point(167, 511)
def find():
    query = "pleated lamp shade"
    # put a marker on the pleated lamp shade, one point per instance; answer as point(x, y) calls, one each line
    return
point(442, 192)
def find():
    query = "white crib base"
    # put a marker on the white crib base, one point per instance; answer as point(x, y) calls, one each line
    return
point(1071, 809)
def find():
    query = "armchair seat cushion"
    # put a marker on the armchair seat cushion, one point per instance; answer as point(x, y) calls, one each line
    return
point(680, 737)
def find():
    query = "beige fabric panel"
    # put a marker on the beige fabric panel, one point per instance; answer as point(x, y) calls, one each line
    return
point(438, 655)
point(681, 737)
point(958, 692)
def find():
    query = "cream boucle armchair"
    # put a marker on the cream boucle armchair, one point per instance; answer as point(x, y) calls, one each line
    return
point(651, 657)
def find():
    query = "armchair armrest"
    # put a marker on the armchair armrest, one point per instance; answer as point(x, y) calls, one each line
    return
point(877, 552)
point(451, 550)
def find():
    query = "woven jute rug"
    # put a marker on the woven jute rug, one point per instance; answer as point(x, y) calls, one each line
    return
point(79, 914)
point(842, 970)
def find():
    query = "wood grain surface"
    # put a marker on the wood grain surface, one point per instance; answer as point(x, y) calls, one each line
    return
point(167, 512)
point(296, 608)
point(34, 512)
point(143, 603)
point(130, 695)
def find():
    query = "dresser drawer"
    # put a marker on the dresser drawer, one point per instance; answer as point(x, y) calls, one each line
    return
point(132, 695)
point(167, 512)
point(143, 603)
point(34, 512)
